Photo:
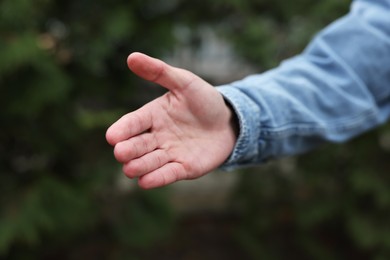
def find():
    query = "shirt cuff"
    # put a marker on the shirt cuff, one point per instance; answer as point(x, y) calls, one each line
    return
point(248, 144)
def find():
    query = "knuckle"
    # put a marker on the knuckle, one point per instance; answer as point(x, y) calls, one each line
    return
point(144, 143)
point(158, 160)
point(175, 174)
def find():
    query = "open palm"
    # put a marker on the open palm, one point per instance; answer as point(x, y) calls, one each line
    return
point(184, 134)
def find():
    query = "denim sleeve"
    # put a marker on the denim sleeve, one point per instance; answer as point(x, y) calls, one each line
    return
point(338, 88)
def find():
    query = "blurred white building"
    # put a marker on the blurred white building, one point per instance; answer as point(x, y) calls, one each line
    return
point(207, 55)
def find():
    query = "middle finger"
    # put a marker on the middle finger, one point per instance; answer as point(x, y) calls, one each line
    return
point(135, 147)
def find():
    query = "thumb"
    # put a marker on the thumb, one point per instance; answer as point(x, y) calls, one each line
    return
point(159, 72)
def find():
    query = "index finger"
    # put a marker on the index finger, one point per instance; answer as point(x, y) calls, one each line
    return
point(129, 125)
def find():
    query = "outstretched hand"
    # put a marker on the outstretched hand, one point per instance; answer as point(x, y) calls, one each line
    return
point(184, 134)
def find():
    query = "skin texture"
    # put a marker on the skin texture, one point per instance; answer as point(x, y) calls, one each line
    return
point(184, 134)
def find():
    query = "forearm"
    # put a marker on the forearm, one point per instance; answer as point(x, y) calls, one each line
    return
point(336, 89)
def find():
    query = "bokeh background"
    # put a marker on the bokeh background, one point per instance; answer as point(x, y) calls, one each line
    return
point(64, 80)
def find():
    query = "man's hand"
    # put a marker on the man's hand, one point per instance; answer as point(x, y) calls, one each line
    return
point(183, 134)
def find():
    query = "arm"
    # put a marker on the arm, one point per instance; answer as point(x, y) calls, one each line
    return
point(336, 89)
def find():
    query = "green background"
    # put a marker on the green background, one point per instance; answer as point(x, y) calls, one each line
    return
point(63, 81)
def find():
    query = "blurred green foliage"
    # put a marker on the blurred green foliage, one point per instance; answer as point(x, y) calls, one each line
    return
point(333, 203)
point(63, 80)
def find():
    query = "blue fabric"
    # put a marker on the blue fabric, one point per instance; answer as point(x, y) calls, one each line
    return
point(338, 88)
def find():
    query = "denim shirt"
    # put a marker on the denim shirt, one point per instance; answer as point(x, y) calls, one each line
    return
point(338, 88)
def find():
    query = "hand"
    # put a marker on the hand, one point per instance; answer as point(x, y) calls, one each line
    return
point(184, 134)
